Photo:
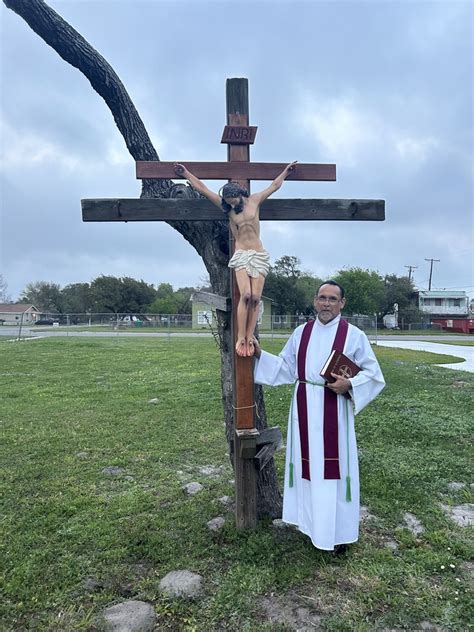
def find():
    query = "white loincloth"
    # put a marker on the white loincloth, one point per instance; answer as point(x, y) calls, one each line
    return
point(255, 262)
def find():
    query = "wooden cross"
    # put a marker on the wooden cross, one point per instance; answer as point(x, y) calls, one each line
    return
point(238, 135)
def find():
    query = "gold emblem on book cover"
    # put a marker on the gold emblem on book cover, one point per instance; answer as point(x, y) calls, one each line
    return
point(345, 371)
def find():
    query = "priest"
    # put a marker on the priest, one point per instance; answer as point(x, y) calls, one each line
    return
point(321, 492)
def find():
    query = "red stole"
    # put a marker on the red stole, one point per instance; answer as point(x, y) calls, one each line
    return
point(330, 423)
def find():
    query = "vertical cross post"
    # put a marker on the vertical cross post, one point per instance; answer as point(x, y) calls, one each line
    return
point(245, 433)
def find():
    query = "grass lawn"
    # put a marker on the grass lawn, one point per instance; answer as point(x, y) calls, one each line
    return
point(76, 539)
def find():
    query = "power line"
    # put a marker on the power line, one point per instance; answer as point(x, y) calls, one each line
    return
point(431, 271)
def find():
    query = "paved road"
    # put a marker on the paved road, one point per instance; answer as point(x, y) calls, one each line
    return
point(458, 351)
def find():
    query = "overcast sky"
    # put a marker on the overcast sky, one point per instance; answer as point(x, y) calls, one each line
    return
point(382, 89)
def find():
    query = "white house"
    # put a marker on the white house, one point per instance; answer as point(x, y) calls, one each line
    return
point(11, 313)
point(443, 302)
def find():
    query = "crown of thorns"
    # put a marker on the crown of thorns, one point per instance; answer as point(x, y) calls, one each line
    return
point(232, 189)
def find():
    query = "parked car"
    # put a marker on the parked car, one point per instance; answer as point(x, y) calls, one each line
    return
point(45, 321)
point(133, 318)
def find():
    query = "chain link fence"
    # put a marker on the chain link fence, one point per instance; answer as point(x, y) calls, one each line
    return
point(277, 324)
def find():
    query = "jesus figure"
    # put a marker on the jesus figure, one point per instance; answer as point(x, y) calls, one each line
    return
point(250, 261)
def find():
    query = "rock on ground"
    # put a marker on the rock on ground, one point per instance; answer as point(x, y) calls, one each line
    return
point(210, 470)
point(91, 584)
point(226, 501)
point(391, 544)
point(455, 487)
point(112, 470)
point(130, 616)
point(468, 571)
point(182, 584)
point(413, 524)
point(216, 523)
point(365, 513)
point(462, 515)
point(193, 488)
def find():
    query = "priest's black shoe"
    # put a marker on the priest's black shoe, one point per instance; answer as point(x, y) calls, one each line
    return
point(341, 549)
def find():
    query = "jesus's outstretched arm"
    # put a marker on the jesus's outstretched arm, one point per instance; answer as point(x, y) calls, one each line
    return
point(197, 184)
point(275, 185)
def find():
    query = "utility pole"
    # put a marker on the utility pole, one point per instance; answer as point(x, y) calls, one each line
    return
point(410, 268)
point(431, 270)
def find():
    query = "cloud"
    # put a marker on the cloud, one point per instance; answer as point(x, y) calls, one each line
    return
point(32, 150)
point(349, 129)
point(28, 149)
point(444, 23)
point(382, 89)
point(415, 149)
point(337, 125)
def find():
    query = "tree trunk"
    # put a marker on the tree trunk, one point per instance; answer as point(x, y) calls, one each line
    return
point(210, 239)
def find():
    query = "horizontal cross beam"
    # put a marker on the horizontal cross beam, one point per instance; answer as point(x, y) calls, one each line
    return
point(236, 170)
point(193, 209)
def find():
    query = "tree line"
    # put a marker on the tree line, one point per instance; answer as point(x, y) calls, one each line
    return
point(367, 291)
point(289, 287)
point(108, 294)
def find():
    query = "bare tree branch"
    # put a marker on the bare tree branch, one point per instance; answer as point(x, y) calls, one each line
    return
point(210, 239)
point(74, 49)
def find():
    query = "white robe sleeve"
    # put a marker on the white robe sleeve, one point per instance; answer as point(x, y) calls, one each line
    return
point(274, 370)
point(367, 384)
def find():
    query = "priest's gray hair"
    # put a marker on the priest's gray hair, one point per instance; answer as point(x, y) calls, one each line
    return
point(331, 282)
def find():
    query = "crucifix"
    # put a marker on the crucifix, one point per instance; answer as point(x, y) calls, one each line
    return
point(238, 135)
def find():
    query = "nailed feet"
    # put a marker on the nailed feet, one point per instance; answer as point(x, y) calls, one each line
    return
point(245, 347)
point(241, 347)
point(250, 347)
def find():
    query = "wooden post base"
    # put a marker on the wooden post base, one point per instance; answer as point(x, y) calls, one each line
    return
point(245, 448)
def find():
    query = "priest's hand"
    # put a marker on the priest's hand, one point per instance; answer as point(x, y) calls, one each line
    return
point(257, 348)
point(340, 386)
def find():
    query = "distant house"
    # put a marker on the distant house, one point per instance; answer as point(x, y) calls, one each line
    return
point(443, 303)
point(11, 313)
point(204, 312)
point(447, 309)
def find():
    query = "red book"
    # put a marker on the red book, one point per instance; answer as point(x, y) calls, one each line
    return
point(341, 365)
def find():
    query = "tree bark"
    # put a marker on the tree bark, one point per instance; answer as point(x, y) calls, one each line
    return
point(210, 239)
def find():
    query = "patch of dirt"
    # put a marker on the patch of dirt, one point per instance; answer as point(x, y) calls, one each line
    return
point(413, 524)
point(468, 572)
point(365, 514)
point(291, 610)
